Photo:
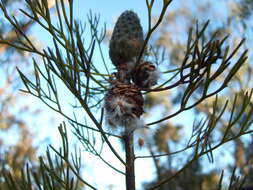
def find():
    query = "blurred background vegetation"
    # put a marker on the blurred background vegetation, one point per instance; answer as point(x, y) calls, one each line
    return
point(169, 40)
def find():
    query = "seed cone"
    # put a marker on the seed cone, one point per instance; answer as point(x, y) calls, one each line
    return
point(145, 75)
point(123, 105)
point(127, 38)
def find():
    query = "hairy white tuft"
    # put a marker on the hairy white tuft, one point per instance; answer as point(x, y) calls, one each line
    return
point(121, 115)
point(121, 106)
point(131, 65)
point(152, 78)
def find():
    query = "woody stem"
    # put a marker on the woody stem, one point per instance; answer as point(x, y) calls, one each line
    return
point(130, 173)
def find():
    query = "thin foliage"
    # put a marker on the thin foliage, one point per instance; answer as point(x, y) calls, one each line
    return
point(71, 61)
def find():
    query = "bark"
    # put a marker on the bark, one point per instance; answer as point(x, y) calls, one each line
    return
point(130, 173)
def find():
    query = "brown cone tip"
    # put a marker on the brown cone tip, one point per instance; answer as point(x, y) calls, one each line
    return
point(127, 38)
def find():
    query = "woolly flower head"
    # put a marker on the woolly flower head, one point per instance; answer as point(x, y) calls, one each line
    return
point(145, 75)
point(123, 105)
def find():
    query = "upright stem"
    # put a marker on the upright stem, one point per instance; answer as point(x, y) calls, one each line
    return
point(130, 174)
